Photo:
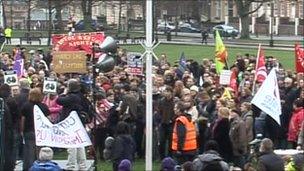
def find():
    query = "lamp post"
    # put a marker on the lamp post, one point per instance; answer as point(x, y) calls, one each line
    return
point(271, 24)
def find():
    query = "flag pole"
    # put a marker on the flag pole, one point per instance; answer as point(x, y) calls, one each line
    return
point(256, 65)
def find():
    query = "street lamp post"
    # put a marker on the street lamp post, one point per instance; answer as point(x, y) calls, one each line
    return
point(271, 24)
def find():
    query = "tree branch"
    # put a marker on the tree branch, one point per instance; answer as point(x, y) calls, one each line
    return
point(253, 11)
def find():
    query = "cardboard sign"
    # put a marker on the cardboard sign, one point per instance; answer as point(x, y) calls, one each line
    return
point(68, 133)
point(135, 64)
point(49, 85)
point(225, 77)
point(10, 78)
point(77, 41)
point(70, 62)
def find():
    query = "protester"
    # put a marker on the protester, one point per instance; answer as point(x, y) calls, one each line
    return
point(184, 144)
point(125, 165)
point(168, 164)
point(220, 133)
point(124, 146)
point(45, 161)
point(73, 100)
point(27, 125)
point(9, 107)
point(269, 161)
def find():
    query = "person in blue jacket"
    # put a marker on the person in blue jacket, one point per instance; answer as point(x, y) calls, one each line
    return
point(45, 162)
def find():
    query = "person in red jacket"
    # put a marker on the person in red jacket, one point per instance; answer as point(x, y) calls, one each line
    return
point(296, 121)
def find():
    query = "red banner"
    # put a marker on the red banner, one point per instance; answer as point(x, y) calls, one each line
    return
point(299, 53)
point(260, 68)
point(77, 41)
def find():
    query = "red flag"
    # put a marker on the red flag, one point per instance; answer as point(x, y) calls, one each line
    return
point(299, 53)
point(233, 81)
point(260, 67)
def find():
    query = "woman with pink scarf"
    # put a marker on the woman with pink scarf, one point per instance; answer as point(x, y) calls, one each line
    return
point(50, 101)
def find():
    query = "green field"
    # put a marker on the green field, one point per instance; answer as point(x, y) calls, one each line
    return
point(199, 52)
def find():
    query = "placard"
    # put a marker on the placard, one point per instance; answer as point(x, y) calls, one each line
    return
point(135, 64)
point(68, 133)
point(225, 77)
point(10, 78)
point(49, 85)
point(77, 41)
point(69, 62)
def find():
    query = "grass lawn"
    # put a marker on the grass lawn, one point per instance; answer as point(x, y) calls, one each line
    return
point(198, 52)
point(103, 165)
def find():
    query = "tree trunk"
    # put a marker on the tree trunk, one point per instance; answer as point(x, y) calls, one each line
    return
point(245, 20)
point(4, 14)
point(87, 14)
point(50, 22)
point(11, 12)
point(119, 17)
point(58, 16)
point(29, 15)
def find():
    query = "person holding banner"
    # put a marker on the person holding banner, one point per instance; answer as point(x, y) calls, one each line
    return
point(27, 125)
point(73, 100)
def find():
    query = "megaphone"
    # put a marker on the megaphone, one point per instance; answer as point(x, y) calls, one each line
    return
point(108, 45)
point(106, 64)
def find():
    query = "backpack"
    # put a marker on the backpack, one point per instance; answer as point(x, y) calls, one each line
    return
point(86, 111)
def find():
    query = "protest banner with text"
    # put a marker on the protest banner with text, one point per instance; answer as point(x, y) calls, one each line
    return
point(68, 133)
point(69, 62)
point(77, 41)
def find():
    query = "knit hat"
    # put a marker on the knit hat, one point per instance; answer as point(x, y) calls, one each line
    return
point(125, 165)
point(46, 154)
point(168, 164)
point(73, 85)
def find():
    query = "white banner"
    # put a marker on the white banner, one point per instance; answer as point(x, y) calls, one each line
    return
point(68, 133)
point(268, 97)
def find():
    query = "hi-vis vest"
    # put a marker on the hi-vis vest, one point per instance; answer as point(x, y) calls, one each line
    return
point(190, 141)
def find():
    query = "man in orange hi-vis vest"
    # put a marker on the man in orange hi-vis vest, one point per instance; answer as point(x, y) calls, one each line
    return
point(184, 145)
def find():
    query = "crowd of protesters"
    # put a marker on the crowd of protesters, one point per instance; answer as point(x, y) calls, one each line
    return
point(195, 123)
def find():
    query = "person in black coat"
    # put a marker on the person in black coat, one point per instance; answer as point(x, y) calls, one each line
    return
point(124, 145)
point(20, 99)
point(27, 125)
point(73, 100)
point(268, 160)
point(9, 162)
point(220, 133)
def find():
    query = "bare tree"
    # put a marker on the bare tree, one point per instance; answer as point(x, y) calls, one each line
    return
point(244, 11)
point(87, 13)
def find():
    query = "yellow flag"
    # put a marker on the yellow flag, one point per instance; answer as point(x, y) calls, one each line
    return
point(226, 94)
point(220, 53)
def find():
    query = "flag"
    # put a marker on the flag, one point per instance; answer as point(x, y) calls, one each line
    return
point(268, 97)
point(260, 68)
point(299, 54)
point(233, 81)
point(19, 64)
point(182, 66)
point(226, 94)
point(220, 53)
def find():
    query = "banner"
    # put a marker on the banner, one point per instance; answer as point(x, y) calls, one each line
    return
point(69, 62)
point(299, 54)
point(225, 77)
point(135, 64)
point(268, 97)
point(68, 133)
point(77, 41)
